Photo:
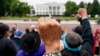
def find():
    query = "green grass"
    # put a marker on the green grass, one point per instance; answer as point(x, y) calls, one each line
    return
point(36, 17)
point(73, 18)
point(17, 18)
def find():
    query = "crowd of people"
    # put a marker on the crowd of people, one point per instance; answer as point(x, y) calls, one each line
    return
point(48, 39)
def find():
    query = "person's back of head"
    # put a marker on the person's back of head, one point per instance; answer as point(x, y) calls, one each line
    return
point(14, 26)
point(30, 42)
point(73, 45)
point(27, 30)
point(78, 30)
point(3, 29)
point(58, 20)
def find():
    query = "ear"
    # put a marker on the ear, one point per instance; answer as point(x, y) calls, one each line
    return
point(7, 33)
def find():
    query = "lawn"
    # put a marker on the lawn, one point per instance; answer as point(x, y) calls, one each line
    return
point(36, 17)
point(17, 18)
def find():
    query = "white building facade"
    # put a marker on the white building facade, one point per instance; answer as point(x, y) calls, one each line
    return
point(50, 9)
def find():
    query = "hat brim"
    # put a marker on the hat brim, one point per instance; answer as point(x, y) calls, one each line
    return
point(36, 46)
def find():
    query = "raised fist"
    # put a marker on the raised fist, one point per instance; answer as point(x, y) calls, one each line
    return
point(78, 16)
point(50, 32)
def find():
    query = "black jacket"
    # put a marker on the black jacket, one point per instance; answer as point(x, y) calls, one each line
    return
point(87, 36)
point(7, 47)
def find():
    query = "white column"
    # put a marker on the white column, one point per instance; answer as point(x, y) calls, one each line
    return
point(56, 10)
point(49, 9)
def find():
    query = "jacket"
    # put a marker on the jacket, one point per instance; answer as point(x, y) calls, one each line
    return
point(7, 47)
point(87, 36)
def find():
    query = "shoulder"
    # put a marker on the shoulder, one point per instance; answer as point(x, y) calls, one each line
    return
point(6, 40)
point(42, 47)
point(85, 52)
point(20, 53)
point(10, 43)
point(41, 50)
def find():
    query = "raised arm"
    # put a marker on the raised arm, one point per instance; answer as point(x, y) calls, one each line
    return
point(87, 35)
point(50, 32)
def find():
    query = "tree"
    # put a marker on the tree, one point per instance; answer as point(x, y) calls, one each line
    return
point(94, 8)
point(81, 5)
point(2, 8)
point(13, 7)
point(71, 8)
point(89, 8)
point(20, 9)
point(5, 6)
point(99, 9)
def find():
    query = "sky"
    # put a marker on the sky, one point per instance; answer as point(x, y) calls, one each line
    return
point(34, 2)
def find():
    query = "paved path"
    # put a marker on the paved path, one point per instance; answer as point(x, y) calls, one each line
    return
point(66, 25)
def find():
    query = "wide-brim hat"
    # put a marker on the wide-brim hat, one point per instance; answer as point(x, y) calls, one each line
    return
point(31, 42)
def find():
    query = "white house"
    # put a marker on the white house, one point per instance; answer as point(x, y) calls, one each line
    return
point(50, 9)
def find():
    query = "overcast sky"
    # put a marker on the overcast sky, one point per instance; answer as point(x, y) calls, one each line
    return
point(34, 2)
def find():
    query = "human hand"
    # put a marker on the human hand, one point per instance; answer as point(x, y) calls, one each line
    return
point(50, 32)
point(82, 12)
point(78, 16)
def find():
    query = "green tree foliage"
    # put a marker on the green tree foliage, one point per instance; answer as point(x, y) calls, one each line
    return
point(99, 10)
point(4, 6)
point(94, 8)
point(20, 9)
point(13, 7)
point(1, 7)
point(71, 8)
point(89, 5)
point(81, 5)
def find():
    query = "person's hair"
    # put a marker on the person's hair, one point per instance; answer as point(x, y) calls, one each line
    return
point(78, 30)
point(27, 30)
point(73, 41)
point(3, 28)
point(58, 20)
point(30, 42)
